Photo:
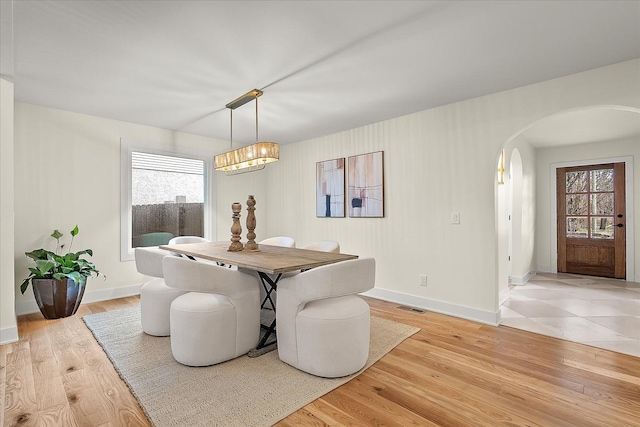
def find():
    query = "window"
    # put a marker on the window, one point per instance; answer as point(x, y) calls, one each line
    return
point(590, 203)
point(163, 197)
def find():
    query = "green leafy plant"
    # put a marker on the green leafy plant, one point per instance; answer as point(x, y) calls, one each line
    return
point(53, 265)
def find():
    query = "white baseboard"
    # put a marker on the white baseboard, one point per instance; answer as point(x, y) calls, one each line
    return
point(469, 313)
point(89, 296)
point(544, 269)
point(547, 269)
point(522, 280)
point(8, 335)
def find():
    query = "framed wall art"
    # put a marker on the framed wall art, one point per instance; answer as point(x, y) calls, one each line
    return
point(365, 191)
point(330, 188)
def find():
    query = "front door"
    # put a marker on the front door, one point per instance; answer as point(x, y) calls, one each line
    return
point(591, 222)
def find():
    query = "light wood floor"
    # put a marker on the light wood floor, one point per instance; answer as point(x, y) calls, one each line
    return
point(452, 373)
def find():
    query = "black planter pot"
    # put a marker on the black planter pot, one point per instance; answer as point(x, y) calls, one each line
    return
point(57, 298)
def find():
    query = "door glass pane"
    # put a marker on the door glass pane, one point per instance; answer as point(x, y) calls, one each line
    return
point(602, 204)
point(602, 180)
point(577, 204)
point(577, 227)
point(576, 182)
point(602, 227)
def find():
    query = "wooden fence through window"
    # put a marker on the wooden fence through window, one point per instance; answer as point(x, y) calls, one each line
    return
point(156, 224)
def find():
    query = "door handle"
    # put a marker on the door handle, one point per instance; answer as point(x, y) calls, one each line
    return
point(619, 225)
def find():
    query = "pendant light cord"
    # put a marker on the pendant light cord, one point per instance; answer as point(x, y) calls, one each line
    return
point(231, 125)
point(256, 119)
point(231, 131)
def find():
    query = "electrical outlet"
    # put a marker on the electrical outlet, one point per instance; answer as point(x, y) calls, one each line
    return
point(423, 279)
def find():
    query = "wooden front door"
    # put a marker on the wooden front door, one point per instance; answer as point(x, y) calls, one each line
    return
point(591, 221)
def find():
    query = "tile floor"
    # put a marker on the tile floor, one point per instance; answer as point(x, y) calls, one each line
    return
point(595, 311)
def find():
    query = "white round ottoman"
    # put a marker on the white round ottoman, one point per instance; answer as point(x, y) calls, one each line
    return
point(203, 329)
point(155, 301)
point(333, 336)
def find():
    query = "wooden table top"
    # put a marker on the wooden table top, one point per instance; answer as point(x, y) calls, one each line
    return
point(269, 259)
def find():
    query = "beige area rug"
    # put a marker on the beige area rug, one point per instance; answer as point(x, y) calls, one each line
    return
point(241, 392)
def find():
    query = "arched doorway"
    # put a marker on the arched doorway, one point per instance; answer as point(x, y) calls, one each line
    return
point(592, 127)
point(581, 136)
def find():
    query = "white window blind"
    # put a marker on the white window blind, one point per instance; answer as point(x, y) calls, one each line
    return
point(166, 163)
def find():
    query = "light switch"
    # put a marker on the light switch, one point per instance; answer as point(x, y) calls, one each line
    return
point(455, 217)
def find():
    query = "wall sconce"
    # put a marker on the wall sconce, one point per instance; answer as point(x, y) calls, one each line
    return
point(501, 168)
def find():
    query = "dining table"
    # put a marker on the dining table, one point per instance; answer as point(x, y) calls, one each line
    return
point(270, 263)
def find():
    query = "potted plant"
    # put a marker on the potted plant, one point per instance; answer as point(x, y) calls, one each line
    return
point(57, 280)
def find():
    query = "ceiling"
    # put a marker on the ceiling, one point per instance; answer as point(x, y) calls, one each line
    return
point(324, 66)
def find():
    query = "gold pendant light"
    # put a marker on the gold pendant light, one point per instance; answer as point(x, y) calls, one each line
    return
point(252, 157)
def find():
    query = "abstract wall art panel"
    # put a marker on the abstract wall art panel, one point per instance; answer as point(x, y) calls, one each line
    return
point(330, 188)
point(365, 192)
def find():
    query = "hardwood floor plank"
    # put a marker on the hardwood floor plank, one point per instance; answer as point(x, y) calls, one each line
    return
point(54, 416)
point(364, 411)
point(20, 393)
point(556, 379)
point(540, 365)
point(453, 372)
point(43, 360)
point(116, 398)
point(3, 379)
point(482, 395)
point(83, 398)
point(556, 348)
point(372, 394)
point(329, 414)
point(566, 408)
point(429, 405)
point(488, 369)
point(533, 363)
point(303, 418)
point(50, 393)
point(602, 371)
point(532, 379)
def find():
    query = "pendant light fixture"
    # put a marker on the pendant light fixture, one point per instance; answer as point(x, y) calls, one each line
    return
point(252, 157)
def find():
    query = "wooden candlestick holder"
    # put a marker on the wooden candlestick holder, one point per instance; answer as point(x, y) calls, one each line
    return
point(251, 244)
point(236, 228)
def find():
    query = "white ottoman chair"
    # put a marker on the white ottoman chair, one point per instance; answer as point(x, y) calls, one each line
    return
point(218, 319)
point(155, 295)
point(203, 329)
point(333, 336)
point(155, 302)
point(322, 326)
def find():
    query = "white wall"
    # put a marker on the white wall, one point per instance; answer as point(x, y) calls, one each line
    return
point(237, 188)
point(67, 172)
point(437, 162)
point(524, 212)
point(8, 325)
point(504, 206)
point(546, 157)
